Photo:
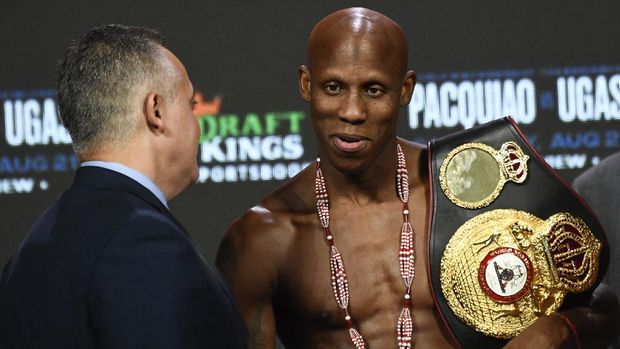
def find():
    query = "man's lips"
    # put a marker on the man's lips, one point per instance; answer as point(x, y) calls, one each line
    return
point(349, 143)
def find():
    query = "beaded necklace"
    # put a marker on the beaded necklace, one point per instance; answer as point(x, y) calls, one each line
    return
point(406, 257)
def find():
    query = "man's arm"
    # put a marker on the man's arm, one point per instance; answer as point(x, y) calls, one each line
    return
point(248, 257)
point(593, 327)
point(151, 289)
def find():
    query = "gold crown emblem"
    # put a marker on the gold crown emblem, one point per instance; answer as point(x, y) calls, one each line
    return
point(513, 162)
point(574, 251)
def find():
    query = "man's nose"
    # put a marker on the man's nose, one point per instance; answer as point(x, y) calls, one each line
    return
point(353, 109)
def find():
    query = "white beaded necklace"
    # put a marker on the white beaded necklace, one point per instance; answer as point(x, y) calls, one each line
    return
point(406, 257)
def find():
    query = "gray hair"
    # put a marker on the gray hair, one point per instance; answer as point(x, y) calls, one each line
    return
point(100, 78)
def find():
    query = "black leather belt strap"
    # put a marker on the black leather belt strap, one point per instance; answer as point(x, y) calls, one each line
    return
point(542, 194)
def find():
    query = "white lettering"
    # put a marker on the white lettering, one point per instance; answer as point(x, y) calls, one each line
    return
point(614, 91)
point(16, 185)
point(25, 123)
point(255, 148)
point(249, 172)
point(416, 106)
point(432, 115)
point(470, 103)
point(526, 97)
point(566, 161)
point(449, 113)
point(585, 99)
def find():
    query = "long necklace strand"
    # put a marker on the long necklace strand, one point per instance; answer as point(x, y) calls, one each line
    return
point(406, 256)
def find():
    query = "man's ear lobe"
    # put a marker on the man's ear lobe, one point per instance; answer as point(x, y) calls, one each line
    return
point(407, 88)
point(154, 111)
point(304, 83)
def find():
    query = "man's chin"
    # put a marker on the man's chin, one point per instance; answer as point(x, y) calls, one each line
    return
point(194, 177)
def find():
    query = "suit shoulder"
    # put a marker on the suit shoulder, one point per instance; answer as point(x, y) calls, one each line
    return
point(600, 174)
point(151, 240)
point(148, 225)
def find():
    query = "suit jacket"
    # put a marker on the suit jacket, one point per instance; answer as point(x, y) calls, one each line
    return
point(108, 266)
point(600, 188)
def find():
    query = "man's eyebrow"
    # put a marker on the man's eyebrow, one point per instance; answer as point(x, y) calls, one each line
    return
point(374, 82)
point(324, 81)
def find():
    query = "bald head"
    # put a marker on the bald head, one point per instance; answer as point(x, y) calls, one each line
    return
point(359, 31)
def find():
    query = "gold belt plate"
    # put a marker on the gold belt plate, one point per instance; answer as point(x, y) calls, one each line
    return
point(503, 269)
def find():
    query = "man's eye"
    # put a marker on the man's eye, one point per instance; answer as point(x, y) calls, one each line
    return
point(374, 91)
point(333, 89)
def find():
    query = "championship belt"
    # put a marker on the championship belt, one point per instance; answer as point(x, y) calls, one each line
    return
point(510, 241)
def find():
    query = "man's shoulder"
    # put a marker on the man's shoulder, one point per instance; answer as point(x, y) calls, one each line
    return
point(278, 216)
point(610, 163)
point(599, 174)
point(293, 199)
point(258, 220)
point(272, 218)
point(107, 205)
point(113, 209)
point(91, 218)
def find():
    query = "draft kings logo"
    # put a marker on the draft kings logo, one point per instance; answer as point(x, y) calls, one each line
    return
point(249, 147)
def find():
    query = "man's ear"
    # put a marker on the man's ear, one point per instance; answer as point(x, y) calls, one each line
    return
point(406, 90)
point(154, 111)
point(304, 83)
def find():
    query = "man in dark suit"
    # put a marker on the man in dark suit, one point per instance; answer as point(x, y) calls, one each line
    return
point(599, 186)
point(107, 265)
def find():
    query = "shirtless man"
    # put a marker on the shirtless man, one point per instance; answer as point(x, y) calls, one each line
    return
point(276, 256)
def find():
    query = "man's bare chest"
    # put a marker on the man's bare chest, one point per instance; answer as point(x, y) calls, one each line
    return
point(368, 241)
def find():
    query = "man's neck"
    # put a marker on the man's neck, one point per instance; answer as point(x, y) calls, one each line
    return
point(375, 184)
point(135, 156)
